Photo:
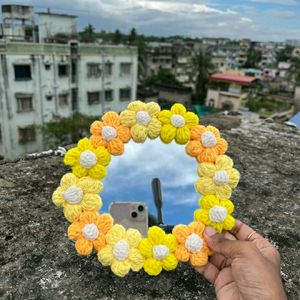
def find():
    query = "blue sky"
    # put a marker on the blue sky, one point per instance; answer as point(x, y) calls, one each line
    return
point(256, 19)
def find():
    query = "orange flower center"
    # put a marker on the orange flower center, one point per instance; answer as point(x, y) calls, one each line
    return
point(217, 214)
point(108, 133)
point(208, 139)
point(73, 194)
point(221, 178)
point(194, 243)
point(88, 159)
point(142, 117)
point(90, 232)
point(121, 250)
point(160, 252)
point(177, 121)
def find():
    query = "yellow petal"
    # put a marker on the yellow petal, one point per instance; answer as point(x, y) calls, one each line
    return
point(167, 133)
point(128, 118)
point(206, 169)
point(103, 156)
point(133, 237)
point(90, 185)
point(115, 234)
point(228, 205)
point(170, 242)
point(183, 135)
point(120, 268)
point(201, 215)
point(97, 172)
point(228, 223)
point(139, 133)
point(234, 177)
point(79, 171)
point(164, 116)
point(178, 109)
point(136, 260)
point(224, 162)
point(57, 197)
point(209, 201)
point(68, 180)
point(152, 266)
point(91, 201)
point(84, 144)
point(191, 119)
point(205, 186)
point(146, 248)
point(137, 106)
point(153, 109)
point(72, 211)
point(170, 262)
point(154, 128)
point(105, 255)
point(223, 192)
point(72, 157)
point(156, 235)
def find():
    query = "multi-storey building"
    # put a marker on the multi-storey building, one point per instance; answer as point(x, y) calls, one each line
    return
point(45, 79)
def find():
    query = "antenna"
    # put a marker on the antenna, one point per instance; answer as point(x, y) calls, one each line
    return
point(156, 190)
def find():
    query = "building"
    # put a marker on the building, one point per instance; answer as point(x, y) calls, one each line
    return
point(227, 91)
point(42, 80)
point(296, 52)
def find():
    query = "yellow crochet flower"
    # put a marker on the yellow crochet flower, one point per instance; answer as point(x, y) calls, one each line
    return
point(215, 213)
point(142, 119)
point(76, 194)
point(86, 160)
point(158, 250)
point(217, 179)
point(177, 123)
point(121, 252)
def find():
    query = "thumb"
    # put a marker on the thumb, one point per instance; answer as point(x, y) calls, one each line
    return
point(232, 249)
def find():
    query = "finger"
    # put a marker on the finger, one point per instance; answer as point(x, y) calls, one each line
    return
point(229, 236)
point(209, 272)
point(242, 231)
point(220, 261)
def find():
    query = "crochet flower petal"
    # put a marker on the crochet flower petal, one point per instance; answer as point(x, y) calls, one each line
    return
point(90, 185)
point(133, 237)
point(197, 227)
point(223, 192)
point(167, 133)
point(170, 262)
point(228, 223)
point(139, 133)
point(123, 134)
point(97, 141)
point(116, 233)
point(68, 180)
point(115, 147)
point(165, 116)
point(214, 130)
point(84, 246)
point(103, 156)
point(206, 169)
point(79, 171)
point(136, 260)
point(234, 177)
point(224, 162)
point(105, 255)
point(205, 186)
point(209, 201)
point(120, 268)
point(71, 157)
point(137, 106)
point(74, 231)
point(99, 242)
point(83, 144)
point(183, 135)
point(57, 197)
point(152, 266)
point(191, 119)
point(154, 127)
point(197, 131)
point(72, 212)
point(194, 148)
point(182, 254)
point(199, 259)
point(104, 222)
point(221, 146)
point(153, 109)
point(181, 232)
point(228, 205)
point(146, 248)
point(96, 128)
point(97, 172)
point(128, 118)
point(156, 235)
point(91, 201)
point(208, 155)
point(178, 109)
point(170, 242)
point(201, 215)
point(111, 118)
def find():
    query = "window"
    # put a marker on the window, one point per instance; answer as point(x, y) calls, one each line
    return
point(22, 72)
point(47, 67)
point(49, 97)
point(125, 94)
point(109, 95)
point(108, 69)
point(24, 103)
point(26, 134)
point(63, 70)
point(63, 100)
point(93, 98)
point(125, 69)
point(93, 70)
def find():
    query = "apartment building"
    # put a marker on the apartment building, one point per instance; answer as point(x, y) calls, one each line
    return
point(48, 73)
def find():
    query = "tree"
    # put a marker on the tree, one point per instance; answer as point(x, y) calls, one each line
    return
point(254, 56)
point(132, 36)
point(284, 54)
point(294, 71)
point(117, 37)
point(88, 34)
point(203, 67)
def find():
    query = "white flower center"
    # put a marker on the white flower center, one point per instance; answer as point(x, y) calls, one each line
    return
point(221, 177)
point(143, 118)
point(208, 139)
point(160, 251)
point(194, 243)
point(108, 133)
point(88, 159)
point(90, 232)
point(73, 194)
point(218, 214)
point(121, 250)
point(177, 121)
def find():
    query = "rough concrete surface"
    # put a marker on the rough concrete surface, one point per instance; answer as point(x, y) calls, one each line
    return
point(37, 261)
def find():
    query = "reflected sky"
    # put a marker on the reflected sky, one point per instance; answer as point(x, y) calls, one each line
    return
point(130, 175)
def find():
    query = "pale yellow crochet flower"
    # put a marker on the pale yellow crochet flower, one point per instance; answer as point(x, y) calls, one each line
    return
point(176, 124)
point(87, 160)
point(142, 120)
point(121, 252)
point(158, 250)
point(217, 179)
point(76, 194)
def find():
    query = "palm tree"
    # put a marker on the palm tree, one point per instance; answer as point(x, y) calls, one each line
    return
point(203, 67)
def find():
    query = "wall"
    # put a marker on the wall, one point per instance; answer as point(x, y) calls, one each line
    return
point(221, 98)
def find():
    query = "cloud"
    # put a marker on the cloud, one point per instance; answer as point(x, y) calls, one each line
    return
point(282, 2)
point(282, 14)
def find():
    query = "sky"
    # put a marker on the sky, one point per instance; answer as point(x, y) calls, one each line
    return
point(260, 20)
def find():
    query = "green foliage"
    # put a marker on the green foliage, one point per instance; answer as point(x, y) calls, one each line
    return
point(88, 34)
point(294, 71)
point(65, 131)
point(254, 56)
point(284, 54)
point(271, 105)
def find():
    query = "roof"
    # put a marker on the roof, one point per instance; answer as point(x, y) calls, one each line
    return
point(233, 78)
point(295, 120)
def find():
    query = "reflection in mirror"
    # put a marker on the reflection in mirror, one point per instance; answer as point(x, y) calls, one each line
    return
point(130, 175)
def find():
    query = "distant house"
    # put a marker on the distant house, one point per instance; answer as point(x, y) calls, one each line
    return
point(226, 91)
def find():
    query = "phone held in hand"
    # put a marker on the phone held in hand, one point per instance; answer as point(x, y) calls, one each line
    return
point(131, 215)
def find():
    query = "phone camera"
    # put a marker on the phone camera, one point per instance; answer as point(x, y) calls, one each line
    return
point(134, 214)
point(140, 208)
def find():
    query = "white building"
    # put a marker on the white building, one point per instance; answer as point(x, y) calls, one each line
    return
point(39, 81)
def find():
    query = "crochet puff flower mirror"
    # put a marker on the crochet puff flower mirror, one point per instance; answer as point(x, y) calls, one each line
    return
point(125, 249)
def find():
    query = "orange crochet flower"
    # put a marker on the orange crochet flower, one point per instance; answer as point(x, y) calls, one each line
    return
point(89, 231)
point(206, 144)
point(191, 244)
point(110, 133)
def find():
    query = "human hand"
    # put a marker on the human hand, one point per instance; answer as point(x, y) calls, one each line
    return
point(243, 266)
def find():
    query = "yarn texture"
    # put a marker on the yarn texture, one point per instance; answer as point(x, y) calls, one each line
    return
point(124, 249)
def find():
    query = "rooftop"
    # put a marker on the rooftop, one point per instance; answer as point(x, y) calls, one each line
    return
point(233, 78)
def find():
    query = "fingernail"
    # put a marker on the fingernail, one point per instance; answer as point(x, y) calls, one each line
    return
point(210, 231)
